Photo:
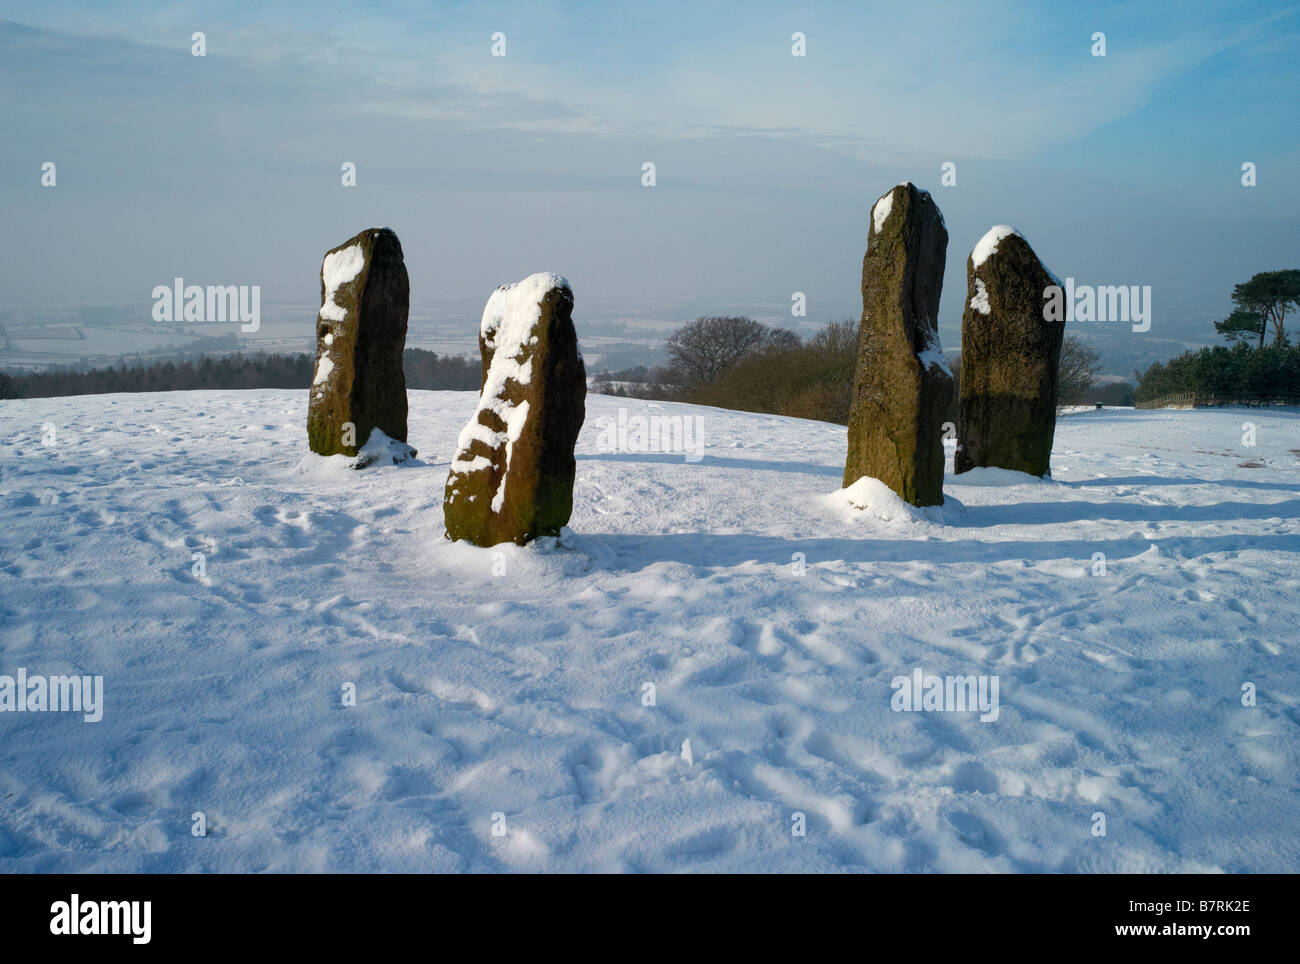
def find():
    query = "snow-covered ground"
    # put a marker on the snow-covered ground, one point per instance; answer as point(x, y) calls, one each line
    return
point(512, 681)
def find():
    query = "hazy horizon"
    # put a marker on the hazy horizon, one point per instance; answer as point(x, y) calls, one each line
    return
point(226, 168)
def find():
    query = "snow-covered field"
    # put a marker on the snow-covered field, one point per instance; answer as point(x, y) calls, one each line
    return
point(511, 681)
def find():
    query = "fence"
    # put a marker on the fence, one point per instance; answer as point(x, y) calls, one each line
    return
point(1203, 400)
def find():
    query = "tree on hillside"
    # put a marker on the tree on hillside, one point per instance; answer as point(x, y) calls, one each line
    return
point(423, 370)
point(704, 349)
point(1076, 372)
point(1241, 325)
point(788, 376)
point(1268, 294)
point(1241, 373)
point(837, 347)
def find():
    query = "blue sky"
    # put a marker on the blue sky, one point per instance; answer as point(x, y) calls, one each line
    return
point(225, 169)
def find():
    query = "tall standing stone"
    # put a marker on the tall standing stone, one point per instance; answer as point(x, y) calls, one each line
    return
point(1009, 358)
point(903, 385)
point(512, 477)
point(358, 384)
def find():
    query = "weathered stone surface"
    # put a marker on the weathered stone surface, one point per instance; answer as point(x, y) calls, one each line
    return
point(1009, 357)
point(360, 334)
point(512, 477)
point(903, 384)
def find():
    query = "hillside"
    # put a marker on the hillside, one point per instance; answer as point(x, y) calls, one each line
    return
point(511, 680)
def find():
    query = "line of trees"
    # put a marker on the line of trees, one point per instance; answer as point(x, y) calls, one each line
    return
point(741, 364)
point(785, 375)
point(1247, 370)
point(423, 369)
point(429, 371)
point(1241, 373)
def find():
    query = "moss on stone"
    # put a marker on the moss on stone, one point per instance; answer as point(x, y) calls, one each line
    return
point(366, 385)
point(1009, 358)
point(538, 482)
point(896, 418)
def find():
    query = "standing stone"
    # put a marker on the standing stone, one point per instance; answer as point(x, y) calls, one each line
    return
point(903, 385)
point(359, 385)
point(512, 477)
point(1009, 357)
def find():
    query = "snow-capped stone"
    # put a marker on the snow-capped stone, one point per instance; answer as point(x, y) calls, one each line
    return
point(359, 386)
point(987, 246)
point(880, 212)
point(511, 479)
point(903, 384)
point(1009, 355)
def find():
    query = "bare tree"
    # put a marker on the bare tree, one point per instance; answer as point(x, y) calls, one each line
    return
point(788, 376)
point(839, 337)
point(1076, 371)
point(706, 347)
